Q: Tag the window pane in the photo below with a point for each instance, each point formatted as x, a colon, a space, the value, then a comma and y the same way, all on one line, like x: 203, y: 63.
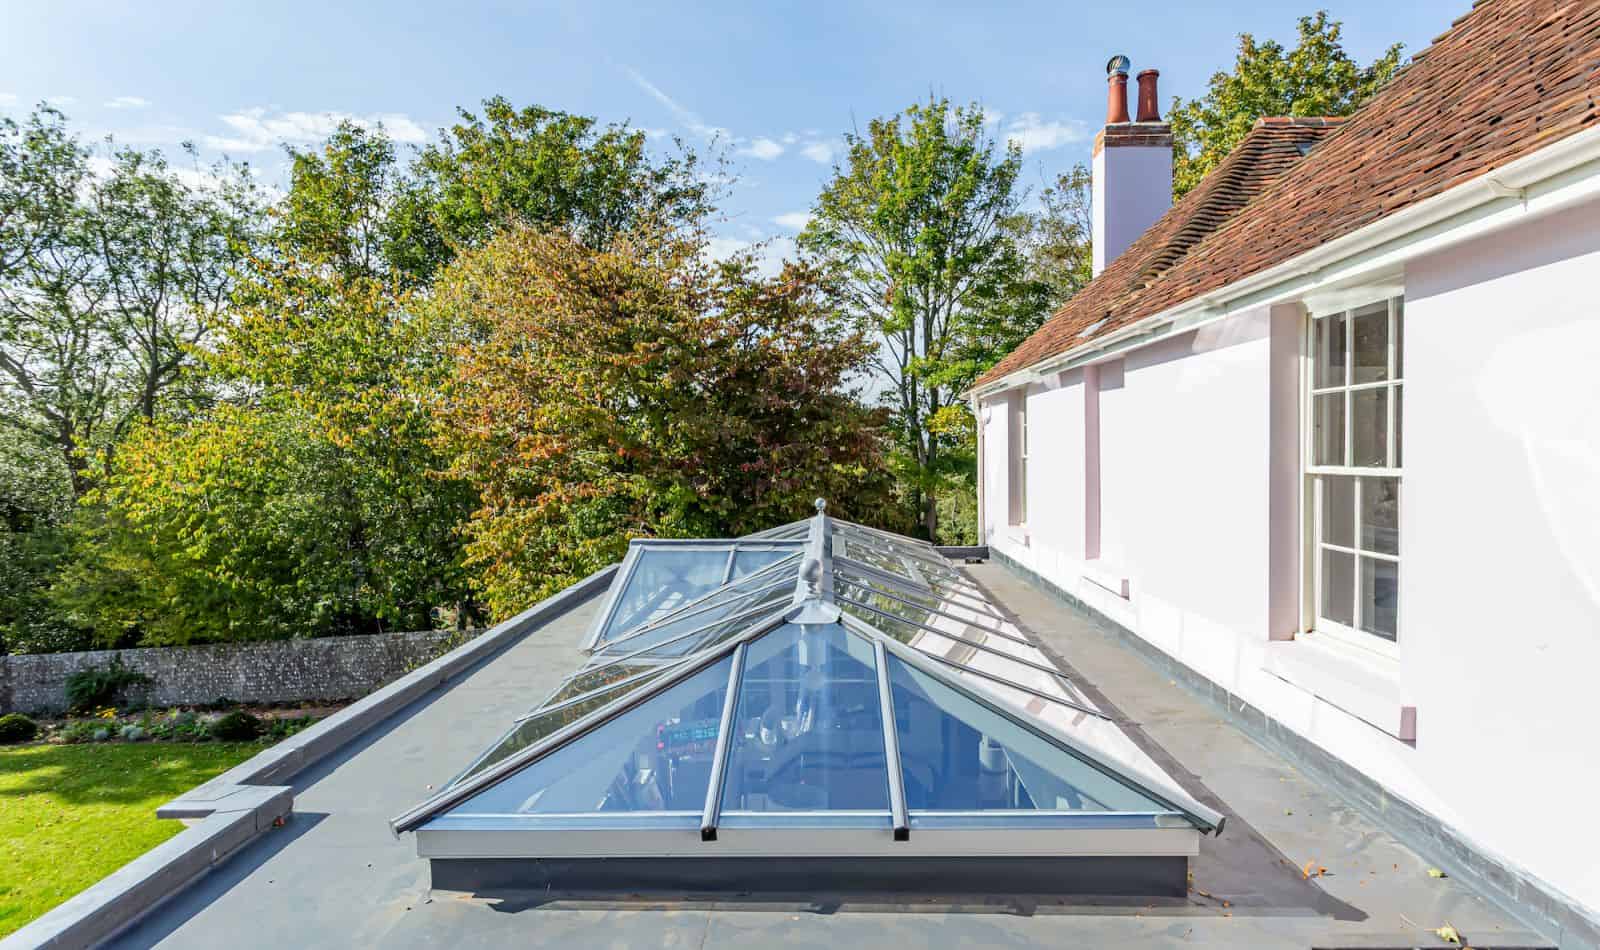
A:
x: 663, y: 580
x: 958, y: 755
x: 1370, y: 339
x: 1338, y: 586
x: 750, y: 561
x: 809, y: 725
x: 1380, y: 515
x: 1380, y: 596
x: 654, y: 757
x: 1399, y: 338
x: 1328, y: 425
x: 1328, y: 351
x: 1369, y: 427
x: 1339, y: 510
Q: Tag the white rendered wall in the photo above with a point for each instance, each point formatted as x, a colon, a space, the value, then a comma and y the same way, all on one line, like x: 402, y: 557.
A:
x: 1132, y: 188
x: 1500, y: 529
x: 1500, y: 535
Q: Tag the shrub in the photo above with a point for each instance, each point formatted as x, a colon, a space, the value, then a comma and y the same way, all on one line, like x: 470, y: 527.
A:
x: 81, y: 730
x: 237, y: 726
x: 15, y: 727
x: 100, y: 686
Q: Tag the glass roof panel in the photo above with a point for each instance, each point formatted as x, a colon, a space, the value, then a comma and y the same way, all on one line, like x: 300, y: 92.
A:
x: 535, y: 728
x: 958, y: 754
x: 601, y: 677
x: 808, y: 725
x: 664, y: 579
x: 749, y: 559
x: 673, y: 635
x: 653, y: 757
x: 662, y: 576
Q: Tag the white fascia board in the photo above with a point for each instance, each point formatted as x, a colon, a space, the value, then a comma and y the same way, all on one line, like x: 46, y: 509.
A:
x: 1555, y: 177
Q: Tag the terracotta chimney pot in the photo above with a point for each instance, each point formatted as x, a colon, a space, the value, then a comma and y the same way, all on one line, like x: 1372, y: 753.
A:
x: 1117, y: 90
x: 1149, y: 108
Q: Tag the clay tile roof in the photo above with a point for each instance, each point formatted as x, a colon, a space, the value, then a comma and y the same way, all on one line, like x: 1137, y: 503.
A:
x: 1506, y: 79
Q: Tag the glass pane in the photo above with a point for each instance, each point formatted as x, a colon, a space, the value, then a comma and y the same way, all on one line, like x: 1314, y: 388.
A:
x: 1399, y: 339
x: 748, y: 561
x: 1328, y: 429
x: 589, y: 681
x: 1399, y: 421
x: 749, y: 593
x: 1380, y: 596
x: 663, y: 580
x: 1370, y: 333
x: 1380, y: 515
x: 809, y: 726
x: 1338, y: 587
x: 1369, y: 434
x: 957, y: 754
x: 535, y: 728
x: 654, y: 757
x: 1338, y: 510
x: 1328, y: 351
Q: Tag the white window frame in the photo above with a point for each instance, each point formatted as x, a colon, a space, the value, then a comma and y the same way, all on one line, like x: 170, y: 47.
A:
x: 1017, y: 459
x: 1313, y: 543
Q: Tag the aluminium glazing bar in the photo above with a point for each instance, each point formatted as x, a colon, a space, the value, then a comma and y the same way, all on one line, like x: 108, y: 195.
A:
x: 719, y: 758
x: 891, y: 746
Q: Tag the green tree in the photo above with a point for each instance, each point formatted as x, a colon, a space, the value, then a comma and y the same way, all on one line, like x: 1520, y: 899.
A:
x: 35, y: 505
x: 918, y: 231
x: 704, y: 400
x: 108, y: 283
x: 540, y: 168
x: 1315, y: 78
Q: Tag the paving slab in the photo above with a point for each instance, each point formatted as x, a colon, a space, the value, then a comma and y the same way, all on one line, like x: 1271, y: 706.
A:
x: 334, y: 876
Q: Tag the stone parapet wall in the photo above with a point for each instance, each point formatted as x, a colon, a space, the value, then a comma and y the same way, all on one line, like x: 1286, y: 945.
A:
x: 277, y: 671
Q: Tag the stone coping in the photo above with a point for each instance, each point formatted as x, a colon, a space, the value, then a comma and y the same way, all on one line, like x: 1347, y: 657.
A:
x: 248, y: 800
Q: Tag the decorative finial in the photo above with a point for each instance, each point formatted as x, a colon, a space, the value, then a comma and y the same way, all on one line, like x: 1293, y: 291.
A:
x: 821, y: 505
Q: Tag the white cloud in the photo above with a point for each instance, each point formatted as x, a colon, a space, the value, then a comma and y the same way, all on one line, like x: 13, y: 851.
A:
x: 257, y: 130
x: 819, y: 152
x: 770, y: 254
x: 762, y: 148
x: 1032, y: 133
x: 127, y: 102
x: 8, y: 98
x: 793, y: 220
x: 61, y: 102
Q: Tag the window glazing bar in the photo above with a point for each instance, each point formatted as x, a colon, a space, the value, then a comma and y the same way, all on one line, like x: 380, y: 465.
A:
x: 891, y: 746
x: 719, y: 758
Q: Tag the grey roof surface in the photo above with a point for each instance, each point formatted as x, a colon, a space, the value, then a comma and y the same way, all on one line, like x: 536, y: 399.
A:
x: 334, y: 876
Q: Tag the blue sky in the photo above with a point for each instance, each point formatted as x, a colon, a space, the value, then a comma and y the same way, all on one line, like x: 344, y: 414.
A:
x: 778, y: 82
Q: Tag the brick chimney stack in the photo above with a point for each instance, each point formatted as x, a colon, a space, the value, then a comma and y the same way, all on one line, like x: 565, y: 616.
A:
x: 1132, y: 165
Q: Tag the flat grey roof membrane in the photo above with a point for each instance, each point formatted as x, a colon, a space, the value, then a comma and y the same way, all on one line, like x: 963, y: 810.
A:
x: 846, y: 695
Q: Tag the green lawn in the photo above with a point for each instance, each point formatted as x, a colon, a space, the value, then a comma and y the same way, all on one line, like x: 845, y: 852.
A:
x: 71, y: 814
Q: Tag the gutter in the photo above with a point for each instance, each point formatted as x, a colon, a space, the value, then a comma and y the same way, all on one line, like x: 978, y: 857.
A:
x: 1548, y: 180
